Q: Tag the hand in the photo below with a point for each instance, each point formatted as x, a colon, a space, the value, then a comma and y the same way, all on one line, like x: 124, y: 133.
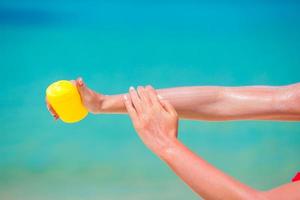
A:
x: 154, y: 119
x: 90, y: 99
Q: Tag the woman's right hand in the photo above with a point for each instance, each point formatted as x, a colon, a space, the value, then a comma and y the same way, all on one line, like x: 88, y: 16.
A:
x: 90, y: 99
x: 154, y: 119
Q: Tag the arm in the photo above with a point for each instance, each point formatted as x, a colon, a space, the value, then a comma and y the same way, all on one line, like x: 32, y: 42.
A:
x: 226, y: 103
x: 203, y: 178
x: 289, y: 191
x: 211, y: 103
x: 156, y: 123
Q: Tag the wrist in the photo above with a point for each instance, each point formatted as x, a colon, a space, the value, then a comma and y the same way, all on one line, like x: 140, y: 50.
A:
x: 94, y: 104
x: 111, y: 104
x: 102, y: 103
x: 169, y: 149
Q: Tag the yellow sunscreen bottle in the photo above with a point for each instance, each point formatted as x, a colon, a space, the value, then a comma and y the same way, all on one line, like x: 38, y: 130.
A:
x: 65, y: 100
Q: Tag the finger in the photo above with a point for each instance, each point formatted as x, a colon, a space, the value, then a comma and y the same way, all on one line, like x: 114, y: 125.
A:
x: 56, y: 117
x: 80, y: 82
x: 144, y: 95
x: 81, y: 86
x: 168, y: 106
x: 54, y: 114
x: 136, y: 101
x: 85, y: 93
x: 130, y: 109
x: 152, y: 95
x: 51, y: 110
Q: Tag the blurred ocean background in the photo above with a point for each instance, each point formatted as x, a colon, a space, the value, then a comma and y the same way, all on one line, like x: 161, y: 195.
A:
x: 116, y: 44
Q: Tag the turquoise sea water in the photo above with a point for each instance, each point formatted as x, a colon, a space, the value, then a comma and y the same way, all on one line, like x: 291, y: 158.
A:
x: 114, y: 45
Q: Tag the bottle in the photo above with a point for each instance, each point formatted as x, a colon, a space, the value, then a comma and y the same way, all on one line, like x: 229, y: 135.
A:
x: 64, y: 98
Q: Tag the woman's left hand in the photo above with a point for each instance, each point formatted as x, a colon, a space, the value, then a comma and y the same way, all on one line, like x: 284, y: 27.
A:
x: 90, y: 99
x: 154, y: 118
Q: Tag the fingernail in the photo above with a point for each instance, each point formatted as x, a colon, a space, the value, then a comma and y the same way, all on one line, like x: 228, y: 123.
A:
x: 131, y: 88
x: 160, y: 97
x: 80, y: 82
x: 125, y: 97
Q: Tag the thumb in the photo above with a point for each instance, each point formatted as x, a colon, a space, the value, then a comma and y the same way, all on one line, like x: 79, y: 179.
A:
x: 82, y: 88
x: 167, y: 106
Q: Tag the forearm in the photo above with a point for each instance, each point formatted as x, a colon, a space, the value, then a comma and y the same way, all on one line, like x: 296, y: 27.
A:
x: 225, y: 103
x: 186, y: 100
x: 203, y: 178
